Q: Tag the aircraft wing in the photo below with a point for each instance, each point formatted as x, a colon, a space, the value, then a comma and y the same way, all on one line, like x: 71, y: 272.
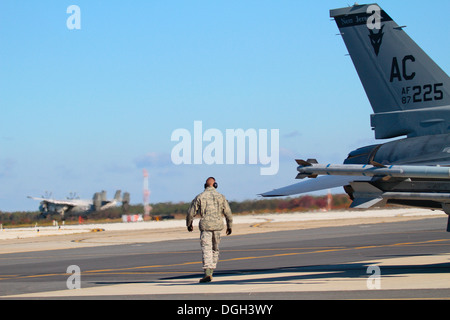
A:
x: 311, y: 185
x: 373, y: 184
x: 57, y: 202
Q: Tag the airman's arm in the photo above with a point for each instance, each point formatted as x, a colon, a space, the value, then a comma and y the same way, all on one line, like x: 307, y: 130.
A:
x: 192, y: 211
x: 228, y: 216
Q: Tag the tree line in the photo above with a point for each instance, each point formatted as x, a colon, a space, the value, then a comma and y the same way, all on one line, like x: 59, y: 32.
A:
x: 178, y: 210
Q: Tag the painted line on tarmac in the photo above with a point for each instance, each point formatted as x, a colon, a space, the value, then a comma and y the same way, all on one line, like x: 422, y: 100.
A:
x: 314, y: 251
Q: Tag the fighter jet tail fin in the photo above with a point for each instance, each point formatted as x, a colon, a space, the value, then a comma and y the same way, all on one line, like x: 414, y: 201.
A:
x: 117, y: 195
x: 408, y: 91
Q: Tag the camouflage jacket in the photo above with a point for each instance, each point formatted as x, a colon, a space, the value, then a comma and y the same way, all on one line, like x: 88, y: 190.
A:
x: 211, y: 206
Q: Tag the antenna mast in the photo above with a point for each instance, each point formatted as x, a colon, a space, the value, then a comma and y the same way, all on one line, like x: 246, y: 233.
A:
x: 146, y: 195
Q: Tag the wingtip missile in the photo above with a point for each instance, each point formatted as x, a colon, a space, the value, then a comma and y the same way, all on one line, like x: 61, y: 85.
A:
x: 307, y: 163
x: 376, y: 164
x: 374, y: 169
x: 303, y: 163
x: 301, y: 176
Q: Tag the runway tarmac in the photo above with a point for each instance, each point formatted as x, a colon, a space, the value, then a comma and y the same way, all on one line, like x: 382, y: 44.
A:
x: 281, y: 256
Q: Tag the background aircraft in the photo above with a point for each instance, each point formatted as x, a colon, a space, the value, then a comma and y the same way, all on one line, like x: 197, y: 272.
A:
x: 99, y: 202
x: 409, y: 94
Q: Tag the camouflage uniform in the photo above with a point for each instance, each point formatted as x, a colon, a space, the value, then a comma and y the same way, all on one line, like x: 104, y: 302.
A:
x: 210, y: 205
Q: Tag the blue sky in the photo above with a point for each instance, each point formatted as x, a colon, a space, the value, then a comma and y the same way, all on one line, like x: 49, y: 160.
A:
x: 86, y: 110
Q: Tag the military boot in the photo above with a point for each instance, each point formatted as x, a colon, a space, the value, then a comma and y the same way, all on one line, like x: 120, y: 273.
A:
x: 208, y: 276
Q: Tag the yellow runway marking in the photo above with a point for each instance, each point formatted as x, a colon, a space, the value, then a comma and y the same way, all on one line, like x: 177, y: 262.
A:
x: 309, y: 251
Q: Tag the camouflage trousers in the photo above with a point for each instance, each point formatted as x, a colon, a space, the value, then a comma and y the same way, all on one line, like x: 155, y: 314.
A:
x: 209, y: 241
